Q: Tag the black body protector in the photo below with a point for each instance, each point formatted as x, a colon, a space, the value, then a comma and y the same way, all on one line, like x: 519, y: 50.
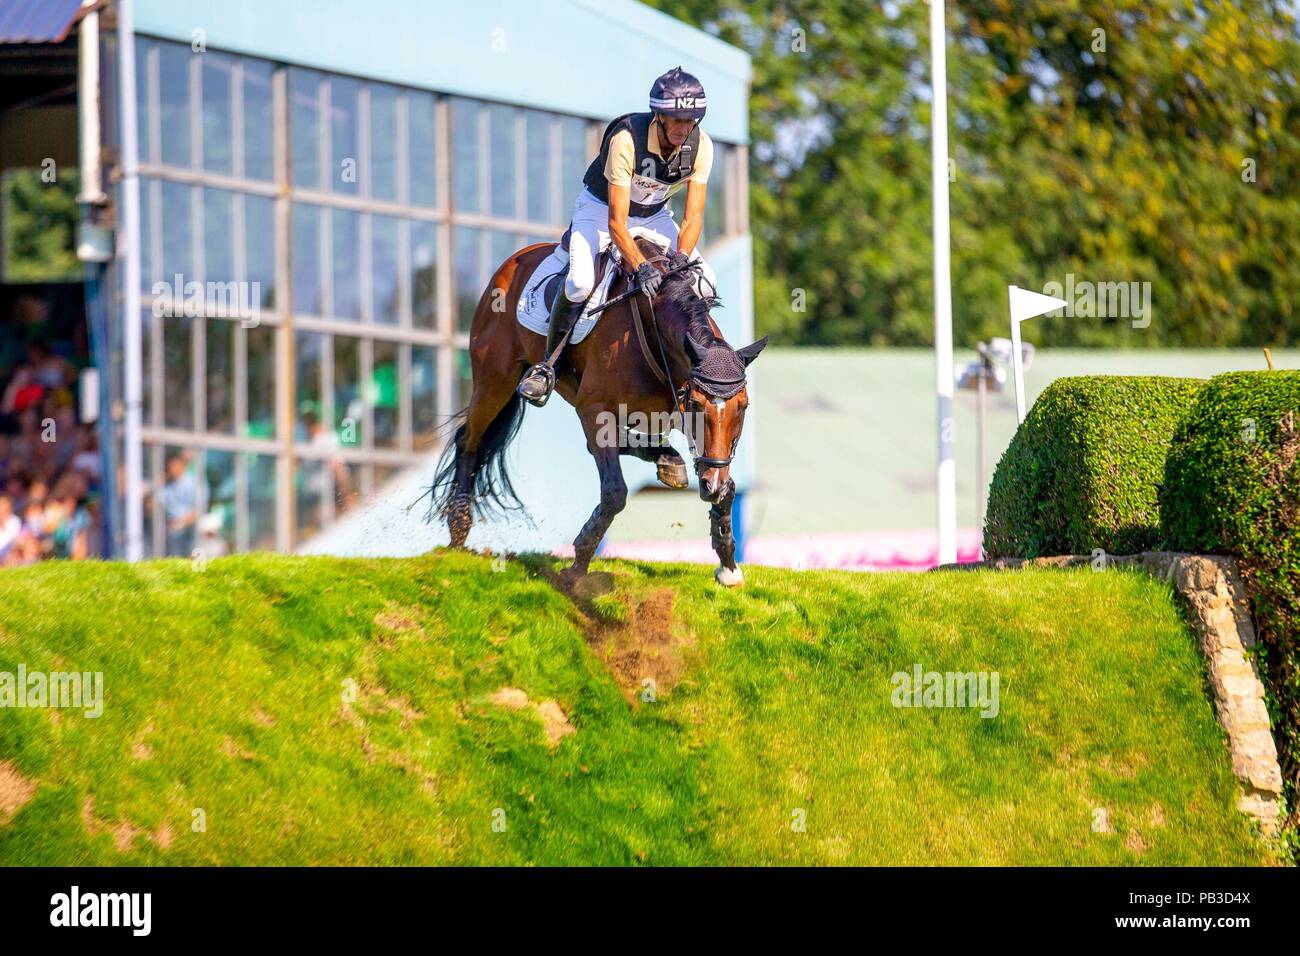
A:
x: 652, y: 175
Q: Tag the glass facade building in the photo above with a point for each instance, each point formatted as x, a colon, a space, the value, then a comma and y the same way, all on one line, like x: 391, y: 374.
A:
x: 339, y: 232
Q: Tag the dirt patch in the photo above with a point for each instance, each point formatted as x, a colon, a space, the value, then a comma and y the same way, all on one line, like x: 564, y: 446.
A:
x: 15, y: 791
x: 232, y: 749
x: 1135, y: 842
x: 554, y: 722
x: 123, y: 832
x: 641, y: 651
x: 262, y: 718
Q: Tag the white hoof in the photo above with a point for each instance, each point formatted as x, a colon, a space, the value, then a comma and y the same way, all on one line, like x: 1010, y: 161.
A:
x: 728, y: 577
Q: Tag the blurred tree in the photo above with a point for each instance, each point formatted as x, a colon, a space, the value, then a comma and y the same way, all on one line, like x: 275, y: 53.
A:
x: 1111, y: 140
x: 40, y: 227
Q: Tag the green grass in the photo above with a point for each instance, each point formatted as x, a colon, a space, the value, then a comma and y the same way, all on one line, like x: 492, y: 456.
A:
x: 224, y: 693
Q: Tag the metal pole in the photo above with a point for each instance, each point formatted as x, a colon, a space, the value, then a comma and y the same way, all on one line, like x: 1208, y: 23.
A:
x: 946, y: 472
x: 129, y: 256
x: 980, y: 471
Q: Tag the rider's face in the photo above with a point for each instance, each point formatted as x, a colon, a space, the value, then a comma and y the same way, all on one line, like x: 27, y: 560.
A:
x: 676, y: 129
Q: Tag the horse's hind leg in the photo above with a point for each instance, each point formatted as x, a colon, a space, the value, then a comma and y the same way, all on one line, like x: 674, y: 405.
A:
x: 487, y: 402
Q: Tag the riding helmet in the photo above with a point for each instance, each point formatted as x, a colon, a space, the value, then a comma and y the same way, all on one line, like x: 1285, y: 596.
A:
x: 678, y: 94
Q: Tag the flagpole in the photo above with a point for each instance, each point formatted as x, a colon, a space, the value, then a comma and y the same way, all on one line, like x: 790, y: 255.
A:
x: 946, y: 471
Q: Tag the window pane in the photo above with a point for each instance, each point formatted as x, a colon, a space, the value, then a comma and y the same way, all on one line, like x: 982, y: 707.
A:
x: 259, y: 256
x: 386, y: 299
x: 216, y: 528
x: 308, y: 280
x: 177, y: 248
x: 174, y: 102
x: 465, y: 155
x: 348, y: 407
x: 573, y: 163
x: 259, y: 121
x: 218, y: 129
x: 305, y: 128
x: 260, y: 341
x: 424, y: 275
x: 178, y: 372
x: 383, y: 142
x: 260, y: 477
x: 147, y: 471
x: 384, y: 393
x: 142, y: 48
x: 538, y: 166
x: 423, y: 158
x: 504, y: 245
x: 502, y: 156
x: 715, y: 210
x: 467, y: 265
x: 424, y: 397
x: 347, y: 264
x: 181, y: 497
x: 146, y: 364
x: 312, y: 483
x: 348, y: 482
x: 344, y: 142
x: 220, y: 357
x: 218, y: 236
x: 149, y: 269
x: 308, y: 397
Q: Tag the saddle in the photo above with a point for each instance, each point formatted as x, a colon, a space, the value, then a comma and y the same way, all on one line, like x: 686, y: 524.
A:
x: 552, y: 286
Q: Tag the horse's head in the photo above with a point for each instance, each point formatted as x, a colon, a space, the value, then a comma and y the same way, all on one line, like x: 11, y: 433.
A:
x: 714, y: 406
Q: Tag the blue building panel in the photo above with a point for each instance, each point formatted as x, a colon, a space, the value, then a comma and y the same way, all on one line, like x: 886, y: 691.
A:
x: 593, y: 58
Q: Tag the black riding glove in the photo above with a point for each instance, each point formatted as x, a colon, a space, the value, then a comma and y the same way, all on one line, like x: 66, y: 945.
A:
x: 677, y: 260
x: 649, y: 278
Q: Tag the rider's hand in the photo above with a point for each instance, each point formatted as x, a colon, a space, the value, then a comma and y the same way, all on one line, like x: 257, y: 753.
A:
x: 677, y: 260
x: 649, y: 278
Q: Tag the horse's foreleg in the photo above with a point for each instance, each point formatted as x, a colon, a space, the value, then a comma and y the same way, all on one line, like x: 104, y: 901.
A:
x: 670, y: 468
x: 613, y: 496
x: 724, y: 544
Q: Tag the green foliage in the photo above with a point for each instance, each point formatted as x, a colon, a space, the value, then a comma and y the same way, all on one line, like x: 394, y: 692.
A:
x: 324, y: 711
x: 1083, y: 470
x: 40, y: 227
x: 1232, y: 485
x: 1117, y: 140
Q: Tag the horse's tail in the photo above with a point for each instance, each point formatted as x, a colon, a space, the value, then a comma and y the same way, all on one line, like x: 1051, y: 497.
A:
x: 491, y: 490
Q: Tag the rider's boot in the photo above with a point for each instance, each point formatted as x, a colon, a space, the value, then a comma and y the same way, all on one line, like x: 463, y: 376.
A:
x: 539, y: 381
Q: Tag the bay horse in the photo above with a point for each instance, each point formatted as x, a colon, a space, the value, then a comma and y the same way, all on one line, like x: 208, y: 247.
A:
x: 607, y: 378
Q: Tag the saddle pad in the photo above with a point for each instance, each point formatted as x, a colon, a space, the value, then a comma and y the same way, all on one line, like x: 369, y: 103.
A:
x: 532, y: 311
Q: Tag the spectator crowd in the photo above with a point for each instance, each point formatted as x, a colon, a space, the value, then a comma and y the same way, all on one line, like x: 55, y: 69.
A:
x: 50, y: 466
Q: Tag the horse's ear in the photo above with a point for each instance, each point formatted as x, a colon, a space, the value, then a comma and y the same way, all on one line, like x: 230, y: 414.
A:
x: 750, y: 352
x: 694, y: 350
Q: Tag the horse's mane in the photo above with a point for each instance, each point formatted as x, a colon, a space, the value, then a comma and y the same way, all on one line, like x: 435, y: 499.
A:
x: 678, y: 290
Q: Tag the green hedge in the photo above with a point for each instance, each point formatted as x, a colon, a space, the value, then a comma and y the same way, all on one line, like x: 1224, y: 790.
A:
x: 1232, y: 485
x: 1082, y: 471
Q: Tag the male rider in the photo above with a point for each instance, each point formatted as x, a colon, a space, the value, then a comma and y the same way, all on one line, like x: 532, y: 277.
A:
x: 644, y: 159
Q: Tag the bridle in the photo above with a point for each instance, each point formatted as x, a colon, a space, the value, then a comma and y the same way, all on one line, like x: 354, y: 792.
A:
x: 694, y: 379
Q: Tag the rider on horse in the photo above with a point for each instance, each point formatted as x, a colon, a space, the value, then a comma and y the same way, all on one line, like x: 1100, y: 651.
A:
x: 644, y: 159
